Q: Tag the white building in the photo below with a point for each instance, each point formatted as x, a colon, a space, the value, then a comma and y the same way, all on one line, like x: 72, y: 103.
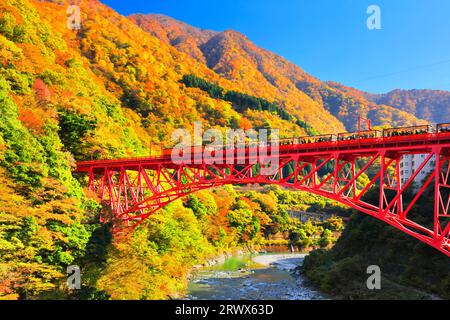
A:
x: 411, y: 163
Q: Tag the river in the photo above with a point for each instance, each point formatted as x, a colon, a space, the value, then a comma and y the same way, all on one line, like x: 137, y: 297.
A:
x: 260, y: 277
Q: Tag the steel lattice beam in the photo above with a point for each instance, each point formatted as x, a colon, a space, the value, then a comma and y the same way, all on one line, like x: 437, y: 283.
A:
x: 134, y: 189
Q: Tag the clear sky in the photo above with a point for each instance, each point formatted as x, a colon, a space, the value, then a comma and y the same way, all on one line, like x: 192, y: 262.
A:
x: 329, y: 38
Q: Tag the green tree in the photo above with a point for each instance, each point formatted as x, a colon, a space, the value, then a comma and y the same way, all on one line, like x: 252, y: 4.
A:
x: 73, y: 129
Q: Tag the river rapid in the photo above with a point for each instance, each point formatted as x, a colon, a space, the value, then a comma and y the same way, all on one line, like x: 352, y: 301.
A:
x: 257, y: 277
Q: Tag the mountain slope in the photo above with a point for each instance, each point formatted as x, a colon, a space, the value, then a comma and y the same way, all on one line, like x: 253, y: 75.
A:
x: 66, y: 95
x: 234, y: 57
x: 52, y: 108
x: 431, y: 105
x: 179, y: 34
x: 145, y: 73
x: 210, y: 48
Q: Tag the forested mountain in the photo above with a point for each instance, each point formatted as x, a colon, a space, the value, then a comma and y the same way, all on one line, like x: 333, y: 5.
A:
x: 431, y: 105
x: 233, y: 56
x: 110, y: 86
x: 182, y: 36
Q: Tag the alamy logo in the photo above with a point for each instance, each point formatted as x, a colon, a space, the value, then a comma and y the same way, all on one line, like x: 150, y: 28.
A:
x: 374, y: 281
x: 73, y: 277
x: 374, y: 20
x: 74, y: 17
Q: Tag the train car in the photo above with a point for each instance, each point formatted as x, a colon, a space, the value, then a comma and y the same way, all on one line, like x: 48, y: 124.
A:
x: 182, y: 150
x: 369, y: 134
x: 316, y: 139
x: 407, y: 131
x: 287, y: 142
x: 443, y: 128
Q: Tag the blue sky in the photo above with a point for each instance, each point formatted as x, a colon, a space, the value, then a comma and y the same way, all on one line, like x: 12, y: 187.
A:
x: 330, y: 39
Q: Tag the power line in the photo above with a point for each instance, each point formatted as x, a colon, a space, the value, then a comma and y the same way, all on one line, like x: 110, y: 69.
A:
x: 400, y: 72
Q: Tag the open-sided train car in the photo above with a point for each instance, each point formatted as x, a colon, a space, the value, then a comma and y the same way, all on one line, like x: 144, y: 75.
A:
x: 443, y: 128
x: 369, y: 134
x: 316, y: 139
x: 408, y: 131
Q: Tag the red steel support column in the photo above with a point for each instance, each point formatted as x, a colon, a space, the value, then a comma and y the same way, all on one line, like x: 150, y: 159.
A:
x: 382, y: 173
x: 399, y: 186
x: 437, y: 153
x: 353, y: 177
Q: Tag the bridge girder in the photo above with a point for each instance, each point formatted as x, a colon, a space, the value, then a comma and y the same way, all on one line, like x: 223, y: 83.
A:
x: 136, y: 189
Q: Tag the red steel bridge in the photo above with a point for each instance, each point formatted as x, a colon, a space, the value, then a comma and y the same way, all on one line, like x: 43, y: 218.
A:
x: 134, y: 189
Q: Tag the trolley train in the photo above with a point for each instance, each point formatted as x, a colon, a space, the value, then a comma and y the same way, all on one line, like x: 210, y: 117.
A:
x: 408, y: 131
x: 443, y: 128
x: 370, y: 134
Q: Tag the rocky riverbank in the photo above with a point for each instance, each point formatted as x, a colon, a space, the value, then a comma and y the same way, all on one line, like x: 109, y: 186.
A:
x: 260, y: 277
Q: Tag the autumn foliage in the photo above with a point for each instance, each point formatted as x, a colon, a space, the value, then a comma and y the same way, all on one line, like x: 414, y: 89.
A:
x: 111, y: 89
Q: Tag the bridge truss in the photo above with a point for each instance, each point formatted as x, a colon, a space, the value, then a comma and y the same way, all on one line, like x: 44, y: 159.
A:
x: 134, y: 189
